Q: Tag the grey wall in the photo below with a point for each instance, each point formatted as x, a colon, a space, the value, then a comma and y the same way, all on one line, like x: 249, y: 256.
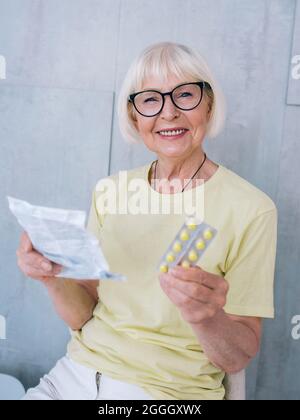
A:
x: 65, y: 61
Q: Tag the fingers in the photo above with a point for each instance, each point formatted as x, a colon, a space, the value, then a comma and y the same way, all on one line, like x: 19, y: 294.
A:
x: 196, y: 291
x: 38, y: 262
x: 179, y: 298
x: 37, y: 274
x: 196, y: 274
x: 192, y: 311
x: 198, y: 294
x: 25, y: 243
x: 32, y: 263
x: 193, y: 290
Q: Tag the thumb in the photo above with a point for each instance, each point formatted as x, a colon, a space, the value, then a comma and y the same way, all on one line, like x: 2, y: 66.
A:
x: 25, y: 243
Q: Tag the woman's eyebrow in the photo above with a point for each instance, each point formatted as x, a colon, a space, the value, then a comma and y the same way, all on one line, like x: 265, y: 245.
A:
x: 151, y: 88
x: 169, y: 90
x: 160, y: 90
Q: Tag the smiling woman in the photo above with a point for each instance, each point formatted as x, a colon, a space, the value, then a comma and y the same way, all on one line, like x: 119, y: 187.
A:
x: 160, y: 62
x: 169, y: 335
x: 170, y: 101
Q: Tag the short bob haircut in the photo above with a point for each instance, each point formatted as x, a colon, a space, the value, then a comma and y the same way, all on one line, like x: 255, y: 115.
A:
x: 161, y: 60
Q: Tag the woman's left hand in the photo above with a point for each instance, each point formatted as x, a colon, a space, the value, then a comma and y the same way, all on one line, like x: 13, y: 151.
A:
x: 198, y: 294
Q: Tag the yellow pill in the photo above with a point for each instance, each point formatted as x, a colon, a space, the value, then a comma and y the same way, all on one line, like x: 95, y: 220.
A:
x: 185, y: 264
x: 184, y: 236
x: 193, y: 256
x: 177, y: 246
x: 207, y: 234
x: 200, y: 244
x: 170, y: 257
x: 163, y: 268
x: 191, y: 225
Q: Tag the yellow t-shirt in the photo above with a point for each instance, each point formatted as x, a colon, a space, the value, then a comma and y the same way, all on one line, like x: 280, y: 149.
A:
x: 137, y: 334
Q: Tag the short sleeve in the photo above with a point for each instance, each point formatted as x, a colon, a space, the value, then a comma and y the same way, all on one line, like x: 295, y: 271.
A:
x: 250, y: 273
x: 94, y: 223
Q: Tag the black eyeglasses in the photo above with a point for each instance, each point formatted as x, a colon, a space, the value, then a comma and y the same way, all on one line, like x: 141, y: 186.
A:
x: 186, y: 97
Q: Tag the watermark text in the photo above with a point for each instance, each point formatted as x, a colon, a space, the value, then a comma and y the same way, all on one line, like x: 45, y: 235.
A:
x: 134, y: 196
x: 2, y: 67
x: 2, y: 327
x: 296, y: 329
x: 296, y: 67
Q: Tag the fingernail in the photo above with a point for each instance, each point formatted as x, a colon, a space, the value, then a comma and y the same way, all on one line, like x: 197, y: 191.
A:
x: 46, y: 266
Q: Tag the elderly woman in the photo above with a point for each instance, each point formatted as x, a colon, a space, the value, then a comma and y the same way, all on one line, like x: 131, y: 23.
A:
x: 174, y: 334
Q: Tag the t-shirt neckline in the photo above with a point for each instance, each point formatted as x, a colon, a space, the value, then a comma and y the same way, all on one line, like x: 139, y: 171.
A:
x: 207, y: 184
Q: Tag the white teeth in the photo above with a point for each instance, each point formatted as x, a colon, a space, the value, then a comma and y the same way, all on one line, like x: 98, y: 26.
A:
x: 171, y: 133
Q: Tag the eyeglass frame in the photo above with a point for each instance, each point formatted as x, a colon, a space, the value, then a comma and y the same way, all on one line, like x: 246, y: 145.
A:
x: 202, y: 84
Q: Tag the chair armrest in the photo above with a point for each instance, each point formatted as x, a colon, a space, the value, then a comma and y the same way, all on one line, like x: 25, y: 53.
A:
x: 235, y: 386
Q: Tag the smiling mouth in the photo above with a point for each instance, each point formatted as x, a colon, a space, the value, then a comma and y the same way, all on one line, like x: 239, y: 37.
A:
x: 172, y: 133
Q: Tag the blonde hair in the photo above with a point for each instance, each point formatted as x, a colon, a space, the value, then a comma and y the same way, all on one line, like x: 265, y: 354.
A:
x: 161, y: 60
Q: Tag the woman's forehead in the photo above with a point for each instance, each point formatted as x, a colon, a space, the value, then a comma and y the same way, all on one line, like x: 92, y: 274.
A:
x: 162, y: 83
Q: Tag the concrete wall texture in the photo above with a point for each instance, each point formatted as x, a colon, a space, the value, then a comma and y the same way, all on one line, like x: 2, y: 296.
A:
x: 61, y: 66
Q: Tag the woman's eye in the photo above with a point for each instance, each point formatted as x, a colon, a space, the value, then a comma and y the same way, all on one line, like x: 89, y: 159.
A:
x: 150, y: 100
x: 185, y: 94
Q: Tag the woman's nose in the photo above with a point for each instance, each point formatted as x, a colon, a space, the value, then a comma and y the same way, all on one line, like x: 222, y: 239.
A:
x: 169, y: 110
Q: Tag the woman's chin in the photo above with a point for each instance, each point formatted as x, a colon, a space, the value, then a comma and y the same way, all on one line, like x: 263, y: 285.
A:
x: 173, y: 150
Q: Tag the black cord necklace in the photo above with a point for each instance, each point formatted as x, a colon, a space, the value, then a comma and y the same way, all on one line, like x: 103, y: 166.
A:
x: 190, y: 178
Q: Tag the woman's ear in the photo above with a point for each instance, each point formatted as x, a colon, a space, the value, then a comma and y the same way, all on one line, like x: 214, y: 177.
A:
x: 134, y: 119
x: 209, y: 109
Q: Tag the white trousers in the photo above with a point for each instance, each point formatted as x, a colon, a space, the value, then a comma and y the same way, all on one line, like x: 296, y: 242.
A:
x: 69, y: 380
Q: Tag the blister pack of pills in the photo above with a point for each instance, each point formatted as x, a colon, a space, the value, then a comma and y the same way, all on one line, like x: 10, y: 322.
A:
x: 188, y: 246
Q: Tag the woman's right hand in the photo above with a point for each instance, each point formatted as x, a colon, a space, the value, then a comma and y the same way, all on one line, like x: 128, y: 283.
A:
x: 74, y: 300
x: 33, y: 264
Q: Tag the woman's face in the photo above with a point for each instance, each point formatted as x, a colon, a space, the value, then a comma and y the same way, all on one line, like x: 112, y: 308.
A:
x: 170, y: 118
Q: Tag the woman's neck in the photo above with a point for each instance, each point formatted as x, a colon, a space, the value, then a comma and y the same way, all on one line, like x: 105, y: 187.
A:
x: 166, y: 169
x: 182, y: 169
